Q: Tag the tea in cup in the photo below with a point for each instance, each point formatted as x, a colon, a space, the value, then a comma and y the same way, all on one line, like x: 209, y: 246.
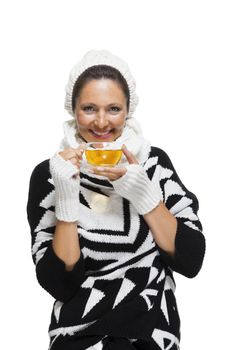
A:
x: 103, y: 153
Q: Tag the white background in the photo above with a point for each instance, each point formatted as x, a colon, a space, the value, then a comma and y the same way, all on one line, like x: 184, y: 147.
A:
x: 180, y: 53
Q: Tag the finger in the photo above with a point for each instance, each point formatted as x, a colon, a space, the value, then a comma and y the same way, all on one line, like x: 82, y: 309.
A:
x: 74, y: 157
x: 80, y: 150
x: 110, y: 170
x: 65, y: 153
x: 82, y: 146
x: 74, y: 162
x: 68, y: 154
x: 106, y: 174
x: 129, y: 156
x: 79, y: 154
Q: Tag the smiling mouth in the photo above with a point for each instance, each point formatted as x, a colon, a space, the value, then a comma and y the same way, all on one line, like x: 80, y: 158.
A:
x: 101, y: 133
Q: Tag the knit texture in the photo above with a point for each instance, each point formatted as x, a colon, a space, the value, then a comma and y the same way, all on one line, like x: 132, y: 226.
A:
x: 99, y: 57
x: 67, y: 182
x: 138, y: 189
x: 121, y: 292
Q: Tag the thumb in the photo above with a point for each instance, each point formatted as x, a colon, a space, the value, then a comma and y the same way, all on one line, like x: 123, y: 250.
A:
x: 129, y: 156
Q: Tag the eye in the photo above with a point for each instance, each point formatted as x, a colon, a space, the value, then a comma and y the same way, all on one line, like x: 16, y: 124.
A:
x: 115, y: 109
x: 88, y: 108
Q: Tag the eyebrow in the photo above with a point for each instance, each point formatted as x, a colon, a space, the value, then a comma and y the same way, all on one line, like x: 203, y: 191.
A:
x: 93, y: 104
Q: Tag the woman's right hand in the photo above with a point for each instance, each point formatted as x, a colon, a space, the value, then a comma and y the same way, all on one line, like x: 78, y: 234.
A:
x: 74, y: 155
x: 64, y: 168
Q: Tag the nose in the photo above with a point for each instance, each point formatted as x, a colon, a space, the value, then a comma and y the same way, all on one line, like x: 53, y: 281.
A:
x: 101, y: 119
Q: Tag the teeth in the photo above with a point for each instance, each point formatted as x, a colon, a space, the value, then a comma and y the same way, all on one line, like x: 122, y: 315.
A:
x: 101, y: 134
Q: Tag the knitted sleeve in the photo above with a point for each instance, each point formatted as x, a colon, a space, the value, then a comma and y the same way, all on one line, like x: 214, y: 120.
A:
x: 184, y: 205
x: 50, y: 269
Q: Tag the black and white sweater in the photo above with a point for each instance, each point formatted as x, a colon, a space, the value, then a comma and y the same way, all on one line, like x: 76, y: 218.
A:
x: 121, y: 290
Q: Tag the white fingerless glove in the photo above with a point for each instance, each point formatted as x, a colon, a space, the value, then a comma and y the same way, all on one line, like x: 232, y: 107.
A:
x: 138, y: 189
x: 66, y: 188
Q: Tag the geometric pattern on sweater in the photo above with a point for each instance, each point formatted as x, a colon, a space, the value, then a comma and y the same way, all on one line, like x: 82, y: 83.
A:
x: 123, y: 282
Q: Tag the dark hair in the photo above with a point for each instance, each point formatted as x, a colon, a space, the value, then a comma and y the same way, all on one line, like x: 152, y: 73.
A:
x: 99, y: 72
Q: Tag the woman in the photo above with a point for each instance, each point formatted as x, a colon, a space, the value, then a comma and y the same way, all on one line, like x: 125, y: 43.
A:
x: 105, y: 242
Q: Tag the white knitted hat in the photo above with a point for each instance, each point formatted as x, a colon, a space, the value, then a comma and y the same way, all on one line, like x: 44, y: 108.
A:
x: 98, y: 57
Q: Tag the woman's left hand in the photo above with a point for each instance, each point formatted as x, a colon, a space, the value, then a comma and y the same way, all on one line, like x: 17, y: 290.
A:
x: 115, y: 173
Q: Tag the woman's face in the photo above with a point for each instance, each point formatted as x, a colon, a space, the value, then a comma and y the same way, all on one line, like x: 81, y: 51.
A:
x: 101, y: 108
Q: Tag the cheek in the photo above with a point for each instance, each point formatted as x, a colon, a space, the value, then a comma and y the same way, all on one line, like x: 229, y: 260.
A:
x: 118, y: 119
x: 120, y: 122
x: 119, y: 127
x: 82, y: 120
